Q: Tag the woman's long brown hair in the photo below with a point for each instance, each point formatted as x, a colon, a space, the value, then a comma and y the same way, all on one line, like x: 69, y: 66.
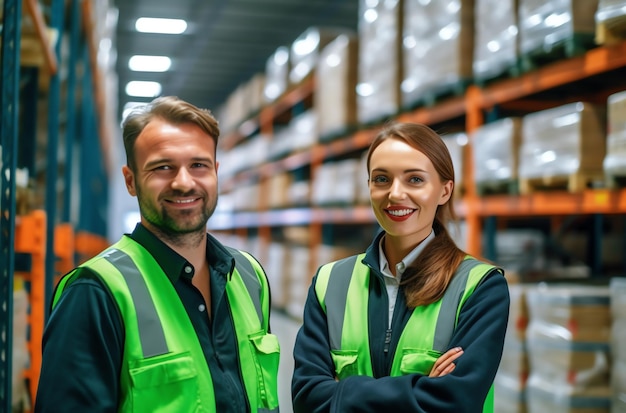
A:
x: 425, y: 281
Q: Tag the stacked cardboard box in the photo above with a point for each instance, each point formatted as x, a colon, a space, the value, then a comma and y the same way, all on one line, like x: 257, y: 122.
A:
x: 565, y: 141
x: 510, y: 382
x: 380, y: 57
x: 618, y: 345
x: 615, y: 159
x: 305, y: 51
x: 495, y: 38
x: 335, y: 87
x: 568, y: 349
x: 496, y: 152
x: 546, y: 25
x: 438, y: 44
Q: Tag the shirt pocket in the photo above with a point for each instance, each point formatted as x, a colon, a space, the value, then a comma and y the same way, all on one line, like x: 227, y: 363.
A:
x: 266, y: 353
x: 346, y: 363
x: 165, y: 383
x: 418, y: 360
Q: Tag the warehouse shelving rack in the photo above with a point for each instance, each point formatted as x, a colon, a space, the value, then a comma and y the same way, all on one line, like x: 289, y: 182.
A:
x: 532, y: 91
x: 40, y: 244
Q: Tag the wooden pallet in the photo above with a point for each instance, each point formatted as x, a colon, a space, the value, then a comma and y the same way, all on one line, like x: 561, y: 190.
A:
x: 511, y: 71
x: 612, y: 31
x: 572, y: 46
x: 573, y: 183
x: 615, y: 180
x: 508, y: 187
x: 435, y: 95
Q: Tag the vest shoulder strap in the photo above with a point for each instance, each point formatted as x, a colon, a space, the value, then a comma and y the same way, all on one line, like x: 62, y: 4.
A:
x: 254, y: 279
x: 453, y: 299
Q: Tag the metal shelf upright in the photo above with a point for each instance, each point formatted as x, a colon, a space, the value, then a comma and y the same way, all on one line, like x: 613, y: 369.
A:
x: 9, y: 85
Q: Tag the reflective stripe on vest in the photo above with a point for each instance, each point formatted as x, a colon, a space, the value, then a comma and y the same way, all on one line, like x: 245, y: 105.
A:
x: 342, y: 288
x: 148, y: 335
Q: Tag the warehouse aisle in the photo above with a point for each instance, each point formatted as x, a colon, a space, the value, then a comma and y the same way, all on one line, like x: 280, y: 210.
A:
x: 286, y: 329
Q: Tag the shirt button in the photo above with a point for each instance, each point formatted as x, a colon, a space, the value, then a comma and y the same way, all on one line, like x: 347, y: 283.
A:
x: 201, y: 308
x: 188, y: 269
x: 400, y: 267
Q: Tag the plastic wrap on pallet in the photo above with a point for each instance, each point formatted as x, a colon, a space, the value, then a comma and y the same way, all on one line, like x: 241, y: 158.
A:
x: 615, y: 159
x: 437, y: 46
x: 610, y: 9
x: 618, y: 387
x: 495, y: 37
x: 496, y: 145
x: 305, y: 50
x: 545, y: 24
x: 277, y: 69
x: 544, y: 396
x: 379, y: 68
x: 456, y: 143
x: 568, y: 347
x: 335, y: 87
x: 562, y: 141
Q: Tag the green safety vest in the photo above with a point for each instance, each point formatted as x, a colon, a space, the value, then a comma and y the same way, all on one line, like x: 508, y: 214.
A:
x: 164, y: 368
x: 342, y: 289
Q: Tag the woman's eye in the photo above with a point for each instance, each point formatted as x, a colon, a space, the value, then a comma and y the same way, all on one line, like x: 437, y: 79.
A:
x: 415, y: 180
x: 379, y: 179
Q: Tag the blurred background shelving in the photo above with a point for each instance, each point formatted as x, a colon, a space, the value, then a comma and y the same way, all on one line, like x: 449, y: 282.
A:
x: 529, y: 96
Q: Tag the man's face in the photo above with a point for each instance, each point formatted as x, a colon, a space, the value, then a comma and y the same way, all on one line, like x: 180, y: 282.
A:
x: 175, y: 179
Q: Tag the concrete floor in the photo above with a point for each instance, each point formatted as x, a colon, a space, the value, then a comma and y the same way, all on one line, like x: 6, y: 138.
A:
x: 286, y: 329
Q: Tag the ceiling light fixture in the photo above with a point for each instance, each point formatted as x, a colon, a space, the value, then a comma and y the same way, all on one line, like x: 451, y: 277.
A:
x: 142, y: 63
x: 143, y: 89
x: 164, y: 26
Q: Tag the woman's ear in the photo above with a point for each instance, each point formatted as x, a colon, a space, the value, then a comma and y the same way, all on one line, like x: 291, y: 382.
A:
x: 446, y: 192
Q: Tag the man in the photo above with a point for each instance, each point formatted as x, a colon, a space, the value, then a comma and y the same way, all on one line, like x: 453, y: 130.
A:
x: 168, y: 319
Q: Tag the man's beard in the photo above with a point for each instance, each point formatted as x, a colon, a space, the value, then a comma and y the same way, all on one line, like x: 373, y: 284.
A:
x: 176, y: 228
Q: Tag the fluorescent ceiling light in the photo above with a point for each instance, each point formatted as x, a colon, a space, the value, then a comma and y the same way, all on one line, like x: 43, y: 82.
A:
x: 140, y: 63
x: 165, y: 26
x: 143, y: 89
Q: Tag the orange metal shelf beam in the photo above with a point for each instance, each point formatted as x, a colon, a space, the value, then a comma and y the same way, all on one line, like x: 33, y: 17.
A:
x: 592, y: 201
x: 594, y: 62
x: 34, y: 10
x: 448, y: 109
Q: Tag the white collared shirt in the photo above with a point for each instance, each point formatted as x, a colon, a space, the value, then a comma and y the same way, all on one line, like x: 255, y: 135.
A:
x: 392, y: 283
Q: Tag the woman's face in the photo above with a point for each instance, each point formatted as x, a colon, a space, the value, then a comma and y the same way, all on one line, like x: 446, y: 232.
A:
x: 405, y: 190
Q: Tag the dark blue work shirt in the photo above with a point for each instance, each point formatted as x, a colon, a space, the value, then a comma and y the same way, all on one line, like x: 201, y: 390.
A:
x: 83, y: 343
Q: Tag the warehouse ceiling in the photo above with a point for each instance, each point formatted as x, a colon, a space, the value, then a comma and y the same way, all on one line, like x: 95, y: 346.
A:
x: 226, y: 42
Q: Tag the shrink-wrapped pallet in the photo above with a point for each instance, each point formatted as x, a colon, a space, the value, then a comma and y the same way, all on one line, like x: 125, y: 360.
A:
x: 618, y: 344
x: 546, y: 25
x: 510, y: 382
x: 566, y: 143
x: 611, y: 22
x: 615, y: 160
x: 335, y: 87
x: 380, y: 60
x: 495, y: 38
x: 568, y: 346
x: 496, y: 152
x: 276, y: 74
x: 438, y: 45
x: 456, y: 142
x: 276, y: 268
x: 306, y: 48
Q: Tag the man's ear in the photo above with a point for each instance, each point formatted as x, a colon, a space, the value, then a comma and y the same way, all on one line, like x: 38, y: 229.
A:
x: 129, y: 180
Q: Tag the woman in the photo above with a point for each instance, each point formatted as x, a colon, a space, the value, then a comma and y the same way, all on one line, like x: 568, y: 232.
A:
x: 376, y: 324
